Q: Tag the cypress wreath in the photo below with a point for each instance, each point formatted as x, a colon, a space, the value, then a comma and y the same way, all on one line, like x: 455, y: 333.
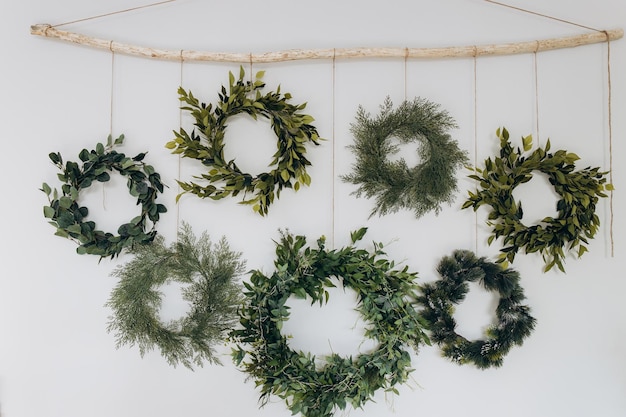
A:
x: 292, y: 128
x: 384, y: 302
x: 69, y: 217
x: 579, y: 193
x: 395, y: 186
x: 213, y: 295
x: 438, y: 300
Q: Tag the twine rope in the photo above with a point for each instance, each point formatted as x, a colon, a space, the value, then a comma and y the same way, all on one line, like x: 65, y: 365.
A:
x: 332, y: 234
x: 475, y: 73
x: 536, y: 74
x: 112, y: 13
x: 180, y: 126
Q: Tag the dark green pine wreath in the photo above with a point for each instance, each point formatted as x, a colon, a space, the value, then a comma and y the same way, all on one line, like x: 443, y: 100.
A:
x: 439, y: 298
x: 422, y: 188
x: 209, y: 271
x: 206, y: 144
x: 579, y: 192
x: 384, y: 296
x: 69, y: 217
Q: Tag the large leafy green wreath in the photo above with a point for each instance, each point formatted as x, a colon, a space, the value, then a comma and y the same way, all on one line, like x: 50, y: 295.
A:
x: 292, y: 128
x: 579, y: 193
x: 422, y: 188
x: 210, y: 272
x: 384, y: 297
x: 69, y: 217
x: 438, y: 299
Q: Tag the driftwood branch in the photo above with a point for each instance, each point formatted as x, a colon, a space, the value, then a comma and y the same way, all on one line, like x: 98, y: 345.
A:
x: 333, y: 53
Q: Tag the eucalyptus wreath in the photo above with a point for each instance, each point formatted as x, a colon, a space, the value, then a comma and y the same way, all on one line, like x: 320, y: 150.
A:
x: 396, y: 186
x: 579, y: 192
x: 438, y: 299
x: 384, y: 301
x: 69, y: 218
x: 209, y: 272
x: 206, y: 144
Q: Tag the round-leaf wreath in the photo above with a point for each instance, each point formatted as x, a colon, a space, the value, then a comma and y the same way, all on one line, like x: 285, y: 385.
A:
x: 69, y: 217
x: 579, y: 192
x: 292, y: 128
x: 384, y: 296
x: 209, y: 271
x: 422, y: 188
x: 438, y: 299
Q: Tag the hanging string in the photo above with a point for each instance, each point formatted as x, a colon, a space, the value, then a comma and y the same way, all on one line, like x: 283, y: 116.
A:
x: 251, y: 77
x: 609, y: 106
x: 542, y: 15
x: 180, y: 126
x: 475, y: 61
x: 332, y: 235
x: 112, y: 13
x: 610, y: 122
x: 536, y: 72
x: 111, y: 100
x: 112, y: 88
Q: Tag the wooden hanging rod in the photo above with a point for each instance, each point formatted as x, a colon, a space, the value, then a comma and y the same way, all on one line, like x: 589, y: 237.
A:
x: 49, y: 31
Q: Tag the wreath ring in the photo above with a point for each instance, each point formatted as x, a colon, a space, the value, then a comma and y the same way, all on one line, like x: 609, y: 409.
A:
x: 68, y: 216
x: 438, y: 299
x: 579, y: 192
x: 292, y: 128
x: 422, y: 188
x: 384, y: 302
x: 208, y: 269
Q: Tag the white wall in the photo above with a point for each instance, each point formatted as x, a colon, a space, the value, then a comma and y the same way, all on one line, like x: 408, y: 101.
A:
x: 56, y: 358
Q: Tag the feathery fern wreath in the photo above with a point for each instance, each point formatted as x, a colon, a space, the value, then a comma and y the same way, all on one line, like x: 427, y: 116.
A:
x: 69, y: 217
x: 384, y: 302
x: 438, y: 299
x: 292, y: 128
x: 395, y: 186
x: 579, y: 193
x: 213, y: 295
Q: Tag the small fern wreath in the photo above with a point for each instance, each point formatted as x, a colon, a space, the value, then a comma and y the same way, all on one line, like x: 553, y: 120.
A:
x: 579, y: 192
x: 422, y: 188
x: 69, y: 217
x: 292, y: 128
x: 438, y: 299
x: 209, y: 271
x: 384, y: 297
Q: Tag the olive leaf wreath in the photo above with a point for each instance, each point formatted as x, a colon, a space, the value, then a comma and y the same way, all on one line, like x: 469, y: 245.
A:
x: 206, y: 143
x: 384, y: 295
x: 69, y: 217
x: 579, y: 192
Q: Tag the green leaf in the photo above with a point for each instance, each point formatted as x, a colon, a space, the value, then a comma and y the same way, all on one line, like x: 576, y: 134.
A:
x: 358, y: 235
x: 527, y: 142
x: 46, y: 188
x: 48, y: 212
x: 65, y: 202
x: 100, y: 149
